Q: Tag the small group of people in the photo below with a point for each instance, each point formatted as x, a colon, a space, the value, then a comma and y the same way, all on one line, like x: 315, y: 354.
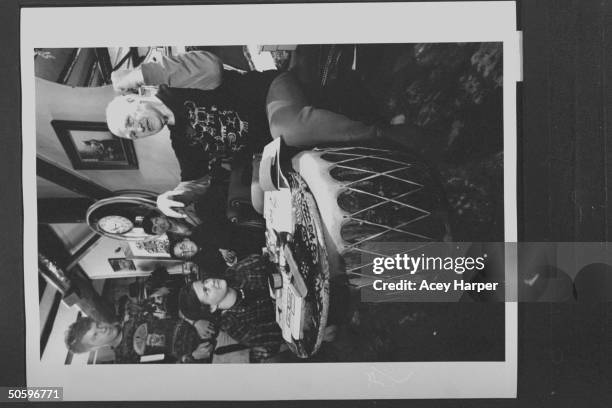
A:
x: 207, y: 237
x: 234, y: 301
x: 215, y: 116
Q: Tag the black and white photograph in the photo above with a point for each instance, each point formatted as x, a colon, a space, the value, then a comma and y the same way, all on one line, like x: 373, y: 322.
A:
x: 252, y: 185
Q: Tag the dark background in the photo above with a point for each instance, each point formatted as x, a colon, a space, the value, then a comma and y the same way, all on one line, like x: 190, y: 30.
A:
x: 565, y: 350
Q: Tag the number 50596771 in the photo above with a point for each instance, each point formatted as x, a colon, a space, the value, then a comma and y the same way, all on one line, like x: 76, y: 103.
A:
x: 34, y: 393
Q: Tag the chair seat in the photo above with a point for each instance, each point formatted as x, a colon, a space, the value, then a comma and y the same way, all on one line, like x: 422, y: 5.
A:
x: 245, y: 198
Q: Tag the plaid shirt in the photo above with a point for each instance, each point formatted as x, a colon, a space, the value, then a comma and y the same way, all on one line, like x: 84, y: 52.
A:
x: 252, y: 320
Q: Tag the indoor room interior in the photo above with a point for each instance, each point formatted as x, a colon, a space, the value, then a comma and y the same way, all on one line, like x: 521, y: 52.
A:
x: 73, y: 85
x: 80, y: 165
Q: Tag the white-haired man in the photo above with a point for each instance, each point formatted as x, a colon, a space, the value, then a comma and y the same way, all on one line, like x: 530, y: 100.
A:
x: 231, y: 115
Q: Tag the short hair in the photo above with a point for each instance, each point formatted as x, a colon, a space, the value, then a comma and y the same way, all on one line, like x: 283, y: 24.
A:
x: 116, y: 110
x: 74, y: 335
x: 191, y: 307
x: 147, y: 221
x: 210, y: 263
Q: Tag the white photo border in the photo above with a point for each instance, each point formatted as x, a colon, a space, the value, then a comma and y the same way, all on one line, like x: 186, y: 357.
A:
x: 291, y: 24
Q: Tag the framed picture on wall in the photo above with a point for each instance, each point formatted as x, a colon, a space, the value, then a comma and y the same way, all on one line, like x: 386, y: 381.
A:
x: 121, y: 264
x: 91, y: 146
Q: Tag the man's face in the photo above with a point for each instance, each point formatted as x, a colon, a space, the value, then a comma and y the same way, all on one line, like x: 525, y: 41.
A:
x: 185, y: 249
x: 99, y: 335
x: 141, y: 119
x: 211, y: 291
x: 160, y: 225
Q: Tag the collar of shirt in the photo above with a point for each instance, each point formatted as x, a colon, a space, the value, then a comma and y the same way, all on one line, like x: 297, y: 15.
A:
x: 172, y: 104
x: 168, y: 114
x: 240, y: 303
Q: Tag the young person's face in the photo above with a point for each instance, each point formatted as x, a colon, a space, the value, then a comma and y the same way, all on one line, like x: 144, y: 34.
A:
x: 160, y: 225
x: 210, y: 291
x: 100, y: 335
x: 185, y: 249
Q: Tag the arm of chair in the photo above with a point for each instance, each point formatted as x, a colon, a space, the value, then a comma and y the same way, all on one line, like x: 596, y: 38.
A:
x: 244, y: 198
x: 238, y: 192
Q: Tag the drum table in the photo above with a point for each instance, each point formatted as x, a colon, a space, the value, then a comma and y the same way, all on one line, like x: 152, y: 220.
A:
x: 339, y: 204
x: 301, y: 287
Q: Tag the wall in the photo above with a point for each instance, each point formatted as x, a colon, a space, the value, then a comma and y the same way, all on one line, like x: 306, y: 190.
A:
x: 47, y: 189
x: 158, y: 169
x: 96, y: 264
x: 72, y: 235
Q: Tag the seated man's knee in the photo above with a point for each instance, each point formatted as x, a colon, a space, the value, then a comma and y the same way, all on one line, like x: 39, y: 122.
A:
x: 292, y: 125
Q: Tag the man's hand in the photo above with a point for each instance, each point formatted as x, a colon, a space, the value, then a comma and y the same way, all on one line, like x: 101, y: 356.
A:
x: 230, y: 257
x: 205, y: 329
x: 165, y: 203
x: 126, y: 80
x: 203, y: 351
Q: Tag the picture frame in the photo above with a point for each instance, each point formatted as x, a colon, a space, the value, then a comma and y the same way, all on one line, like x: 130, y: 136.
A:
x: 122, y: 264
x: 91, y: 146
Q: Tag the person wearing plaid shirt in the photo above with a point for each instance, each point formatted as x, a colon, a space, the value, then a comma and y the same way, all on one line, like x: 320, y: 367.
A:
x: 243, y: 305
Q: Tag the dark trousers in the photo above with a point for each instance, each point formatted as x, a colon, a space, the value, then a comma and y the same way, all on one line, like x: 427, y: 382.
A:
x: 292, y: 116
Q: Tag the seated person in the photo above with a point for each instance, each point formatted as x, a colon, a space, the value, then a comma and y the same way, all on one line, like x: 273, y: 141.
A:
x: 240, y: 299
x: 230, y: 120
